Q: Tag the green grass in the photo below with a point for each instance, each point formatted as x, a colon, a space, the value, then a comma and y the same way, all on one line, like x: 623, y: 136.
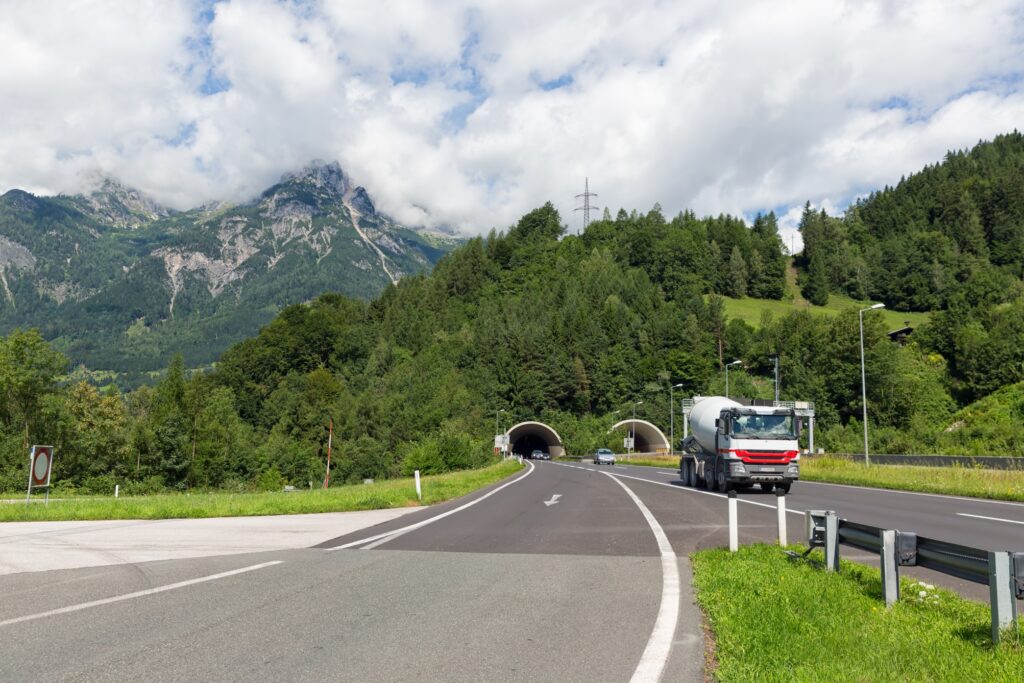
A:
x: 394, y: 493
x: 775, y: 619
x: 669, y: 461
x: 750, y: 310
x: 957, y: 481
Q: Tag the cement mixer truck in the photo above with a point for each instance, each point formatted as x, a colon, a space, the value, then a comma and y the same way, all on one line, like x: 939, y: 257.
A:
x: 732, y: 446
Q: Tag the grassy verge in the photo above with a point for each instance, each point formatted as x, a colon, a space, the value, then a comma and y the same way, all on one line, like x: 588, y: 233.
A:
x: 774, y: 619
x: 667, y: 461
x: 387, y: 494
x: 957, y: 481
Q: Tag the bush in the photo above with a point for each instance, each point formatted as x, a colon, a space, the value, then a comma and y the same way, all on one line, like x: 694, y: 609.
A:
x: 270, y: 480
x: 146, y: 487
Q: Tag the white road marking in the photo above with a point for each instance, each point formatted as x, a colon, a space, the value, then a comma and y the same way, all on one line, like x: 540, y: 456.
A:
x: 993, y: 519
x: 915, y: 493
x: 709, y: 493
x: 659, y: 645
x: 664, y: 472
x: 379, y: 539
x: 553, y: 501
x: 137, y: 594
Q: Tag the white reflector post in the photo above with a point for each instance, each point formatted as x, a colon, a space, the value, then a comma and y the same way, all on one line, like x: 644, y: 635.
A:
x: 734, y: 531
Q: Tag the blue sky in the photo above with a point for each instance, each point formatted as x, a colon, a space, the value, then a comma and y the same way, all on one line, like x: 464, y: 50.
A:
x: 469, y: 114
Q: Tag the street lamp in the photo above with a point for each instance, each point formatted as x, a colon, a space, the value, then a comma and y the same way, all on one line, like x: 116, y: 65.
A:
x: 863, y: 381
x: 735, y: 362
x: 775, y: 357
x: 672, y: 418
x: 632, y: 430
x: 496, y: 427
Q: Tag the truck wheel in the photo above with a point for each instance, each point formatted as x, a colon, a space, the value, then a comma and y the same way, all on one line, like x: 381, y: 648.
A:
x: 684, y: 473
x: 767, y: 488
x: 785, y: 487
x: 723, y: 484
x: 711, y: 480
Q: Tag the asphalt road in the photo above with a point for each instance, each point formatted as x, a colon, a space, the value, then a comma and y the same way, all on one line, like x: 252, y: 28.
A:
x: 564, y: 573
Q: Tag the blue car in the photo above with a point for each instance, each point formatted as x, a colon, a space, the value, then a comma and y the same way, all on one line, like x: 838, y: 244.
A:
x: 604, y: 456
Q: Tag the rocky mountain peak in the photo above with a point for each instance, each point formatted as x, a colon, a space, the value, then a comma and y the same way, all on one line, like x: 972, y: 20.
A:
x: 120, y: 205
x: 327, y: 178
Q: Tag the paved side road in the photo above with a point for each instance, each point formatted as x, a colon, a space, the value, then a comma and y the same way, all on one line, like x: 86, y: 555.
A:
x: 41, y: 546
x: 556, y: 576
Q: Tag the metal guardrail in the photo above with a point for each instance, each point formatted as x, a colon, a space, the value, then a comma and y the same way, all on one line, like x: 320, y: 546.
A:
x: 1002, y: 572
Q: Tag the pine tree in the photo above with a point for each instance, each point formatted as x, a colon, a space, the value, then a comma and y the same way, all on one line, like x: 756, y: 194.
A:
x: 815, y: 287
x: 736, y: 274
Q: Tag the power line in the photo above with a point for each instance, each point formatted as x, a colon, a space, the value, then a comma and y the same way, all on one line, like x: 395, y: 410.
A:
x: 586, y: 208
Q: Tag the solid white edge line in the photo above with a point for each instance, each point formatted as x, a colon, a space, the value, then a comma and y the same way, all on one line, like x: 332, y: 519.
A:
x: 994, y: 519
x: 374, y: 541
x: 137, y: 594
x: 915, y: 493
x: 791, y: 511
x: 659, y: 644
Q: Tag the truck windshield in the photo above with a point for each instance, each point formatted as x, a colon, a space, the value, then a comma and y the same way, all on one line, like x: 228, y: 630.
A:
x: 763, y: 426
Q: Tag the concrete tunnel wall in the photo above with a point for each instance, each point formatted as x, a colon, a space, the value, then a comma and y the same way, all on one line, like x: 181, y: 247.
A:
x: 647, y: 437
x: 526, y: 437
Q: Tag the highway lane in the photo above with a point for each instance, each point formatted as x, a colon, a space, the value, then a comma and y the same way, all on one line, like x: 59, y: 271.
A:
x: 987, y: 524
x: 509, y: 588
x: 553, y: 575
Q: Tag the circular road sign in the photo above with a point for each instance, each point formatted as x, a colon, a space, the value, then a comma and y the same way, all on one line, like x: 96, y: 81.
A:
x: 41, y: 465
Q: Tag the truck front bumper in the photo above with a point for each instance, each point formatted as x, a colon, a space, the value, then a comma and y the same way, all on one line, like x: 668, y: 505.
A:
x: 746, y: 473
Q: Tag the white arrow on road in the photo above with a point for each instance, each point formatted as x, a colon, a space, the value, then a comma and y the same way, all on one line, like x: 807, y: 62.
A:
x: 554, y: 500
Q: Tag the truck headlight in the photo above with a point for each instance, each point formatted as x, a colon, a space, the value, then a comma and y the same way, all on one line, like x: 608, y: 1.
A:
x: 738, y: 468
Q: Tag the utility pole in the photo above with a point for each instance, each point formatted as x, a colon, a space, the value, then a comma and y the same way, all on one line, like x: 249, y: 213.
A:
x: 586, y: 208
x: 775, y: 357
x: 330, y: 437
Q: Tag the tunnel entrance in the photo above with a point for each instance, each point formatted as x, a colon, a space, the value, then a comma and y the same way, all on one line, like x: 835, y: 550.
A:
x: 647, y: 438
x: 527, y: 437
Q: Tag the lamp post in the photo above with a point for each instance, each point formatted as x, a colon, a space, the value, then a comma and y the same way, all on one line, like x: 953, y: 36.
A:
x: 863, y: 381
x: 775, y: 357
x: 632, y: 430
x: 735, y: 362
x: 672, y: 418
x: 496, y: 427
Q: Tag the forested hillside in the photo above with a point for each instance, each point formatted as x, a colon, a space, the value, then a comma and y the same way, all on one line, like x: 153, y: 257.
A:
x: 568, y: 329
x: 949, y: 235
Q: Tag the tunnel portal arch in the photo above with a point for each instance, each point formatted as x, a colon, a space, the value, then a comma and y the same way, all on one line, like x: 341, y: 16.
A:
x: 526, y: 437
x: 647, y: 437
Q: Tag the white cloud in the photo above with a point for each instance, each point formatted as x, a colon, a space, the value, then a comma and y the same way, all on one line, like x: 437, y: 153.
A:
x: 438, y: 107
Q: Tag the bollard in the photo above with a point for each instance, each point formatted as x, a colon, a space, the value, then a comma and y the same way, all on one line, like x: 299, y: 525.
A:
x: 780, y: 500
x: 734, y: 532
x: 890, y: 567
x: 1001, y: 593
x: 117, y: 488
x: 831, y: 541
x: 419, y: 491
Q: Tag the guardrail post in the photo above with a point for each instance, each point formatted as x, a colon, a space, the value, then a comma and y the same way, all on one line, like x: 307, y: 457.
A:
x: 780, y: 500
x: 1001, y: 592
x: 831, y: 541
x: 734, y: 532
x: 890, y: 567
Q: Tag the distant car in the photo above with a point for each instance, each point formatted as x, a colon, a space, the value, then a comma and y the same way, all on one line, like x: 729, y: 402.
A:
x: 604, y: 456
x: 539, y: 455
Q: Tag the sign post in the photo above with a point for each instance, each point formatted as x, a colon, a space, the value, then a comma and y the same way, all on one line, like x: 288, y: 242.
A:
x: 40, y: 467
